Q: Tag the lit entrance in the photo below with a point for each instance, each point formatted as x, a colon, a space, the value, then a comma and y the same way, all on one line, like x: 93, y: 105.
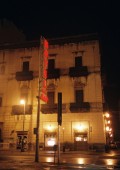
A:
x: 50, y: 140
x: 21, y: 134
x: 80, y: 141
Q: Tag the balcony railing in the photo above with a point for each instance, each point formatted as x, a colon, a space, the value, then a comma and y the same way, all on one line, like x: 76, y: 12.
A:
x: 82, y: 107
x: 24, y: 75
x: 53, y: 73
x: 78, y: 71
x: 19, y: 109
x: 52, y: 108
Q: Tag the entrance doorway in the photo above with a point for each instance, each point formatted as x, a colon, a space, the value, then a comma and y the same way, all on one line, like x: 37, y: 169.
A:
x: 80, y: 141
x: 21, y: 135
x: 50, y: 140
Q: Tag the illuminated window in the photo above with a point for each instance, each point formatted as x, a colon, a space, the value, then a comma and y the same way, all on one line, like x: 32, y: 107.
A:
x: 78, y: 138
x: 50, y: 140
x: 81, y: 137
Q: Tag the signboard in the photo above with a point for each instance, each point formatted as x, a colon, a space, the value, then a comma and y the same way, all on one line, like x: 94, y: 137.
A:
x: 44, y: 60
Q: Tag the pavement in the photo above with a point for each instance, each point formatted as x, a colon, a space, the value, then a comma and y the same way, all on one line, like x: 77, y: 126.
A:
x: 27, y: 164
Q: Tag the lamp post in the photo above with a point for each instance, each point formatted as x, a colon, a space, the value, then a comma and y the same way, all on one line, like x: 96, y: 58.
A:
x: 63, y: 135
x: 22, y: 102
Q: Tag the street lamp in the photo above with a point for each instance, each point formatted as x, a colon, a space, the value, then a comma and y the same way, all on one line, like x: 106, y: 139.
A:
x: 108, y: 128
x: 22, y: 102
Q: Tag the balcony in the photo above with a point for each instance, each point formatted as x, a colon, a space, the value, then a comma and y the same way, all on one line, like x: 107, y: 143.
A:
x: 78, y: 71
x: 19, y: 110
x: 82, y: 107
x: 24, y: 75
x: 53, y: 74
x: 52, y: 108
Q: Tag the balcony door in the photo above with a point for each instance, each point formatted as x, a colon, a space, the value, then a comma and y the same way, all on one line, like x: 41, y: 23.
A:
x: 51, y: 64
x: 50, y: 97
x: 79, y: 96
x: 78, y: 61
x: 26, y: 66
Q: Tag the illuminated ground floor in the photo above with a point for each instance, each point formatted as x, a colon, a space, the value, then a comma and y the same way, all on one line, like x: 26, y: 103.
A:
x: 79, y: 131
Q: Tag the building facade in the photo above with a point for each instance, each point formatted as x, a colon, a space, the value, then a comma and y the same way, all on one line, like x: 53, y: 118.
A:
x: 74, y: 69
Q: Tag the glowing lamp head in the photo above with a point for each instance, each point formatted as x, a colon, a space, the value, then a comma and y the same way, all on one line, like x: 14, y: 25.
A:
x: 22, y: 101
x: 107, y: 115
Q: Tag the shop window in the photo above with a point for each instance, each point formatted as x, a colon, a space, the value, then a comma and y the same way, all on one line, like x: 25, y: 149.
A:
x: 50, y: 140
x: 81, y: 138
x: 78, y: 61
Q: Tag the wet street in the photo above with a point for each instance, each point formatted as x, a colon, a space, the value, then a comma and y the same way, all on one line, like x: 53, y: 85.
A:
x: 68, y: 160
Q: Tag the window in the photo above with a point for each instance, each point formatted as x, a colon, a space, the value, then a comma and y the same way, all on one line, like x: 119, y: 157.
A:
x: 26, y: 66
x: 50, y: 140
x: 78, y: 61
x: 51, y: 64
x: 50, y: 97
x: 79, y: 96
x: 81, y: 138
x: 0, y: 101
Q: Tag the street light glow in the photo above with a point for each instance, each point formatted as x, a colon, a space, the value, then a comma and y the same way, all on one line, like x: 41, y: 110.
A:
x: 22, y: 101
x: 107, y: 115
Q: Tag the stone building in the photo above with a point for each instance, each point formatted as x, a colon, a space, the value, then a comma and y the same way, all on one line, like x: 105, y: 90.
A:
x: 74, y: 69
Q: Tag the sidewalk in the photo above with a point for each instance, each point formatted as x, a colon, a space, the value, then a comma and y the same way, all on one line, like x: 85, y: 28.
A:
x: 41, y: 152
x: 50, y: 152
x: 46, y: 166
x: 28, y: 164
x: 31, y: 165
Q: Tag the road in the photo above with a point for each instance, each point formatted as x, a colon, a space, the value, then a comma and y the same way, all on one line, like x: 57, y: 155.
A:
x: 68, y: 160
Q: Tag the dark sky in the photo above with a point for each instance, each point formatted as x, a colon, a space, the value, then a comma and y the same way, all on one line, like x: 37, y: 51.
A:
x: 54, y: 20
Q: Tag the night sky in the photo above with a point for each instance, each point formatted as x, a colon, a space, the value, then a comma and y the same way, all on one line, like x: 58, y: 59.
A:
x: 55, y: 20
